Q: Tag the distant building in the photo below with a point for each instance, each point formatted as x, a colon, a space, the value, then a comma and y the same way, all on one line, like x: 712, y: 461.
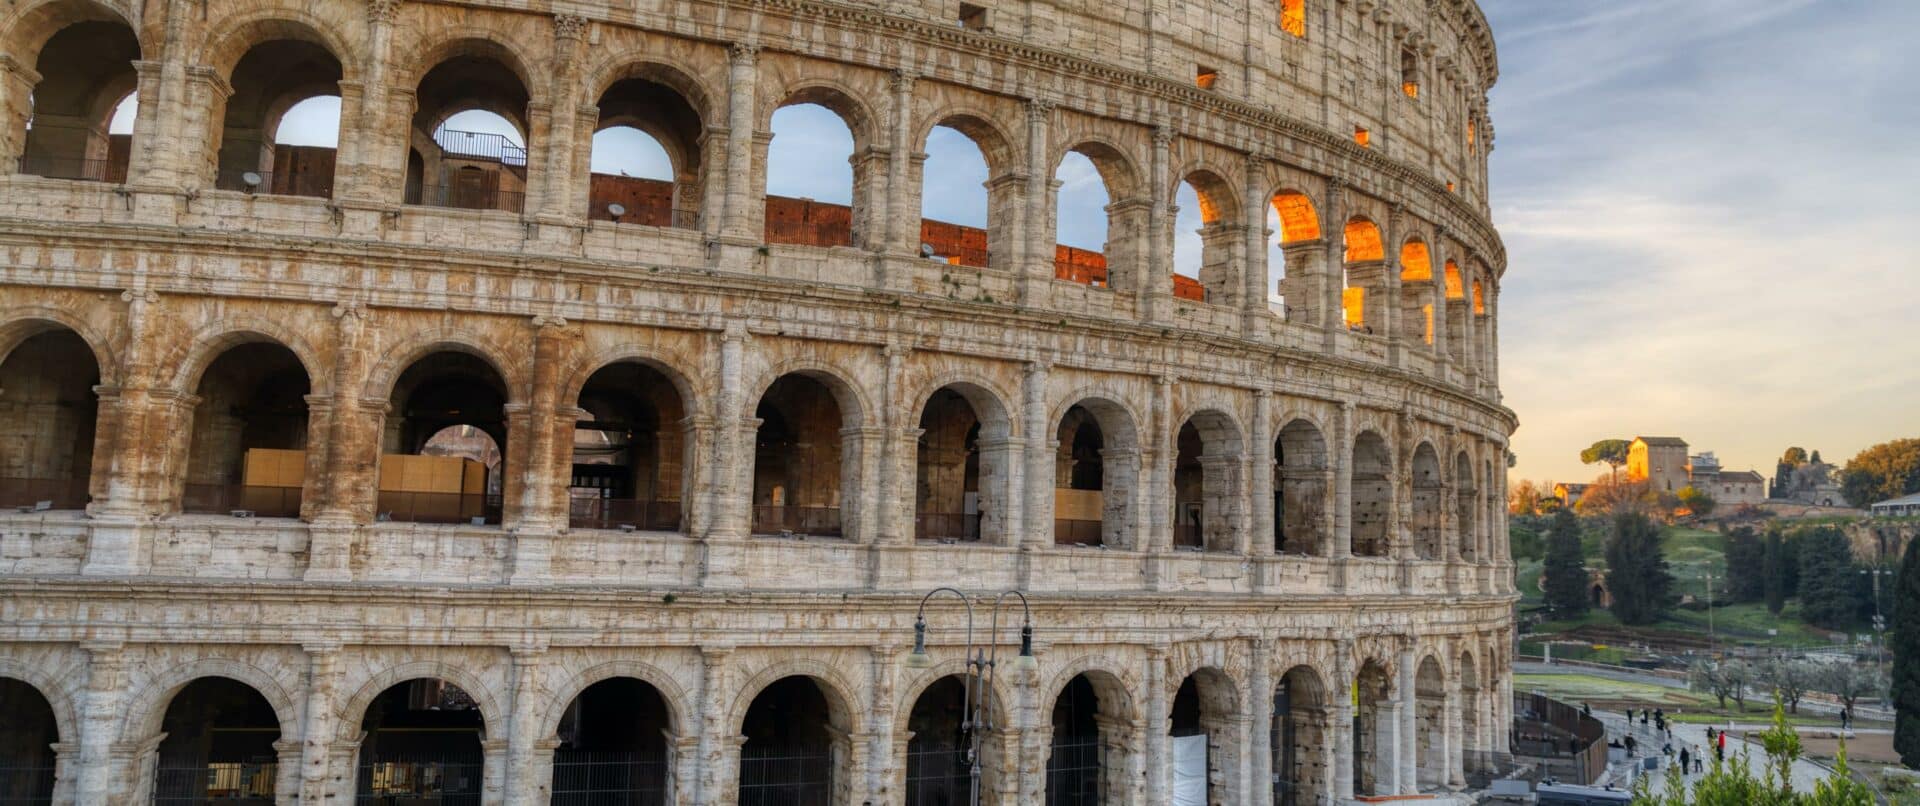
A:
x: 1739, y: 487
x: 1569, y: 494
x: 1660, y: 461
x: 1898, y: 507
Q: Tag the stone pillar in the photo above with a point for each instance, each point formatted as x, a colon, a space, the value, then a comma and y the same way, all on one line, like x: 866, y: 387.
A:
x: 1303, y: 286
x: 1399, y: 472
x: 1259, y: 719
x: 1437, y: 293
x: 1159, y: 762
x: 372, y: 155
x: 1455, y: 733
x: 718, y: 742
x: 1160, y: 453
x: 525, y: 757
x: 1256, y: 274
x: 1041, y: 446
x: 1260, y: 476
x: 102, y: 705
x: 902, y: 210
x: 1333, y: 260
x: 319, y: 725
x: 1342, y: 447
x: 1034, y: 272
x: 1406, y: 720
x: 493, y: 771
x: 17, y: 80
x: 559, y: 182
x: 535, y: 513
x: 1007, y: 223
x: 158, y: 145
x: 726, y: 500
x: 743, y: 212
x: 1152, y: 272
x: 1343, y: 695
x: 350, y: 453
x: 881, y: 773
x: 200, y: 124
x: 1492, y: 344
x: 894, y: 520
x: 1469, y: 356
x: 1396, y: 328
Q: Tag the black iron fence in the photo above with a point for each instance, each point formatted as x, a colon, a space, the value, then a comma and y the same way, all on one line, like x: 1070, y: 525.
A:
x: 773, y: 520
x: 946, y: 526
x: 775, y: 779
x: 419, y: 782
x: 52, y: 493
x: 439, y: 507
x: 1076, y: 773
x: 481, y: 145
x: 939, y: 777
x: 26, y: 784
x: 74, y: 168
x: 613, y: 513
x: 589, y: 778
x: 472, y: 197
x: 188, y: 783
x: 222, y: 499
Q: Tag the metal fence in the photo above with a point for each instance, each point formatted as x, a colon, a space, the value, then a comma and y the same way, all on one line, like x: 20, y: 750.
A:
x: 940, y: 777
x: 419, y: 782
x: 786, y: 780
x: 472, y: 197
x: 613, y: 513
x: 55, y: 493
x: 480, y: 145
x: 1559, y: 732
x: 588, y: 778
x: 75, y: 168
x: 772, y: 520
x: 1076, y: 773
x: 264, y: 502
x: 439, y: 507
x: 188, y: 783
x: 26, y: 785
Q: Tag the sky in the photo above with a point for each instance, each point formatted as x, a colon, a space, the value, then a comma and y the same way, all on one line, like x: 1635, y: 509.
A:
x: 1707, y: 207
x: 1709, y: 210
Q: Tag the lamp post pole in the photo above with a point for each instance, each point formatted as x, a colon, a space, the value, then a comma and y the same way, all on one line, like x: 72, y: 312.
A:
x: 1713, y: 638
x: 977, y: 684
x: 1876, y: 571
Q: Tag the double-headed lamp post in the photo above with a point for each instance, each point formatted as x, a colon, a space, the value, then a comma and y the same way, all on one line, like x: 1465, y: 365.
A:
x: 981, y: 662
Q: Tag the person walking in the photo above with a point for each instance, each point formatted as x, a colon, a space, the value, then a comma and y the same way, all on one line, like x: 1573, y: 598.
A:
x: 1630, y: 745
x: 1686, y: 758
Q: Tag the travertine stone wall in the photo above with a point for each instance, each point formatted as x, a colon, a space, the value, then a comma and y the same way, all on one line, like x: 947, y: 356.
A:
x: 118, y: 600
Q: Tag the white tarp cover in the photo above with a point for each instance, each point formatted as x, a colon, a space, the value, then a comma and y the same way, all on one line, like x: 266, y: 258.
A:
x: 1189, y: 771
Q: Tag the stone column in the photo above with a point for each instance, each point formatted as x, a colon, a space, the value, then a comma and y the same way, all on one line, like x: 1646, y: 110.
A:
x: 1160, y: 453
x: 1333, y: 261
x: 1455, y: 733
x: 543, y: 480
x: 1159, y: 762
x: 1303, y: 286
x: 1259, y: 719
x: 1041, y: 447
x: 200, y: 124
x: 1260, y: 476
x: 319, y: 725
x: 718, y: 742
x: 1406, y: 720
x: 17, y: 80
x: 372, y: 157
x: 1034, y: 272
x: 1396, y: 328
x: 350, y: 447
x: 525, y: 759
x: 894, y: 521
x: 494, y: 754
x: 726, y: 501
x: 1256, y: 274
x: 559, y: 183
x: 1342, y: 447
x: 1469, y: 350
x: 902, y: 211
x: 1437, y: 294
x: 1492, y: 344
x: 881, y: 773
x: 1343, y: 695
x: 102, y: 705
x: 743, y: 210
x: 157, y: 148
x: 1152, y: 273
x: 1399, y: 472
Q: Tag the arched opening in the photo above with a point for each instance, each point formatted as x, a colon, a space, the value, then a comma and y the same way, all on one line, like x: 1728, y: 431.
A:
x: 1205, y: 241
x: 1474, y: 755
x: 1373, y: 734
x: 1299, y: 728
x: 422, y: 745
x: 1087, y: 757
x: 1598, y: 595
x: 795, y: 746
x: 86, y: 76
x: 962, y: 467
x: 470, y: 128
x: 27, y: 737
x: 613, y: 747
x: 1430, y: 725
x: 445, y: 442
x: 1294, y: 292
x: 1416, y: 283
x: 799, y: 459
x: 272, y: 81
x: 943, y: 742
x: 1428, y: 541
x: 814, y: 195
x: 1201, y: 736
x: 1087, y: 214
x: 1095, y: 469
x: 647, y: 155
x: 1300, y: 490
x: 48, y: 409
x: 630, y: 451
x: 954, y: 223
x: 1365, y: 275
x: 219, y: 745
x: 1457, y: 319
x: 1206, y: 483
x: 1466, y: 520
x: 249, y: 436
x: 1372, y: 499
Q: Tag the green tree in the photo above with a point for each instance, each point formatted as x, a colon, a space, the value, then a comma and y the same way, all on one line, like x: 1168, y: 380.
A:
x: 1696, y: 500
x: 1781, y: 569
x: 1829, y: 587
x: 1637, y: 569
x: 1565, y: 585
x: 1905, y: 642
x: 1746, y: 566
x: 1887, y: 470
x: 1611, y: 451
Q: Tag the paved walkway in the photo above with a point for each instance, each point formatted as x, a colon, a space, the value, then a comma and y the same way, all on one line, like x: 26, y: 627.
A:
x: 1694, y: 737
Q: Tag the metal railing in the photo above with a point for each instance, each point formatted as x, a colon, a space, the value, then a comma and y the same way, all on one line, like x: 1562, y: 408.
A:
x: 590, y: 778
x: 940, y: 777
x: 190, y: 783
x: 466, y: 197
x: 270, y: 183
x: 26, y: 784
x: 419, y: 782
x: 438, y: 507
x: 222, y: 499
x: 819, y: 521
x: 946, y: 526
x: 786, y: 780
x: 85, y: 170
x: 1076, y: 773
x: 1560, y: 733
x: 480, y: 145
x: 1086, y: 533
x: 613, y: 513
x: 31, y: 493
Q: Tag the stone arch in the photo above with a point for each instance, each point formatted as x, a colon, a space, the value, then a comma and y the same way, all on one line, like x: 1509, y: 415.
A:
x: 441, y: 45
x: 1206, y: 702
x: 1372, y: 468
x: 851, y: 397
x: 839, y: 98
x: 84, y: 56
x: 1299, y: 220
x: 980, y: 126
x: 678, y: 367
x: 30, y: 27
x: 1090, y: 750
x: 671, y: 107
x: 1428, y: 483
x: 1466, y: 519
x: 1001, y: 700
x: 1118, y: 169
x: 833, y: 684
x: 1109, y: 678
x: 232, y: 330
x: 1303, y: 470
x: 963, y: 464
x: 146, y: 710
x: 660, y: 68
x: 272, y: 59
x: 1219, y: 196
x: 1374, y: 750
x: 987, y: 396
x: 227, y: 43
x: 1429, y: 716
x: 1300, y: 724
x: 1106, y: 476
x: 24, y: 323
x: 352, y: 710
x: 561, y: 696
x: 405, y: 353
x: 66, y: 713
x: 1209, y: 459
x: 1416, y: 262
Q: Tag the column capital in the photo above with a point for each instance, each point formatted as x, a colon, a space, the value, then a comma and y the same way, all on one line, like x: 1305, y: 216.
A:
x: 1039, y: 110
x: 569, y: 26
x: 1163, y: 136
x: 382, y: 12
x: 902, y: 79
x: 743, y: 54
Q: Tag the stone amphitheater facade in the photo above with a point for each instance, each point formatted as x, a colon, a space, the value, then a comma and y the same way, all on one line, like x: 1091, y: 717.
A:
x: 727, y: 466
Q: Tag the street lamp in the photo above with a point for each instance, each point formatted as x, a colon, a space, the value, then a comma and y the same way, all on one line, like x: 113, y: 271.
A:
x: 1713, y: 638
x: 1876, y: 571
x: 981, y: 662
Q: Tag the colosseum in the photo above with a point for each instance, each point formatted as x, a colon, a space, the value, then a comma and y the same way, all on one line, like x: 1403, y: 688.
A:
x: 381, y: 472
